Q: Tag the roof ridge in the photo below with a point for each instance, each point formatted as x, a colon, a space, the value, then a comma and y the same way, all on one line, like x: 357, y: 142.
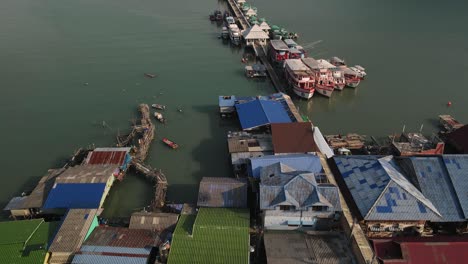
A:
x: 425, y: 201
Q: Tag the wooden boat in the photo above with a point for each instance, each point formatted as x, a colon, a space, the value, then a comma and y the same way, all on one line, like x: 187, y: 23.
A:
x: 149, y: 75
x: 158, y: 106
x: 171, y: 144
x: 159, y: 117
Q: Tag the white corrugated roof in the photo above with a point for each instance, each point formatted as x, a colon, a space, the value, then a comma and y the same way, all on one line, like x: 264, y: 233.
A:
x: 325, y: 64
x: 296, y: 65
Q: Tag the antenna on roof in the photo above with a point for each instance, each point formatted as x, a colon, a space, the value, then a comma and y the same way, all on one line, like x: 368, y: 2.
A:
x: 420, y: 130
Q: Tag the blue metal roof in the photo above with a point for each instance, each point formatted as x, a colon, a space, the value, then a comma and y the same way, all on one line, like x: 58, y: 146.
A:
x: 75, y: 195
x: 299, y: 162
x: 261, y: 112
x: 435, y: 184
x: 457, y: 167
x: 227, y: 101
x: 381, y: 192
x: 106, y: 259
x: 112, y: 249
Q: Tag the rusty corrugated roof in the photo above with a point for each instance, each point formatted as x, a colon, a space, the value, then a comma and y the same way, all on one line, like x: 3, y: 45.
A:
x: 293, y: 138
x: 122, y: 237
x: 153, y: 221
x: 222, y: 192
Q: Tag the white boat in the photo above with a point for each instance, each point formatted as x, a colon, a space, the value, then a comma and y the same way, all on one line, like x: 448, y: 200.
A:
x: 230, y: 20
x: 324, y: 81
x: 352, y: 78
x: 225, y: 33
x: 300, y: 78
x: 159, y: 117
x: 361, y: 71
x: 339, y: 79
x: 235, y: 34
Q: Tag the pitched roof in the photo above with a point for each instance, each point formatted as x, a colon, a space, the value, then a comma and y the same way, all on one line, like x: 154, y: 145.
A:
x: 25, y: 241
x: 293, y: 138
x: 434, y: 182
x: 153, y: 221
x: 286, y: 187
x: 381, y: 192
x: 255, y: 32
x: 222, y: 192
x: 214, y: 235
x: 75, y: 195
x: 106, y: 259
x: 459, y: 139
x: 73, y: 231
x: 264, y: 25
x: 296, y: 65
x: 258, y: 113
x: 457, y: 168
x: 278, y: 44
x: 299, y: 162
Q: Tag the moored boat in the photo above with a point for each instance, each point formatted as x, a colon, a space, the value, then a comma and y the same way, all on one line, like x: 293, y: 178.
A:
x: 324, y: 82
x: 339, y: 78
x: 230, y: 20
x: 351, y: 77
x: 278, y: 51
x: 170, y: 143
x: 225, y: 33
x: 337, y: 62
x: 361, y: 71
x: 234, y: 34
x: 159, y: 117
x: 300, y: 78
x: 159, y: 106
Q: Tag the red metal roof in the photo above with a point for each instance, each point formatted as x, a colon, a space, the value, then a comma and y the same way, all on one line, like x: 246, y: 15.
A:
x: 459, y: 139
x: 107, y: 157
x: 437, y: 250
x: 293, y: 138
x: 122, y: 237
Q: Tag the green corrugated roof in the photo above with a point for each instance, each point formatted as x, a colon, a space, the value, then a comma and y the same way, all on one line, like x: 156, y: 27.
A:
x: 215, y: 235
x: 25, y: 241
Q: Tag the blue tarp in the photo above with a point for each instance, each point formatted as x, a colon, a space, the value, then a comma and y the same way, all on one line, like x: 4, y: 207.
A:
x: 75, y: 195
x: 261, y: 112
x: 299, y: 162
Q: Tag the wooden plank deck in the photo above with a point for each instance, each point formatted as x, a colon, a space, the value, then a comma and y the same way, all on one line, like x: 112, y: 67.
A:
x: 244, y: 23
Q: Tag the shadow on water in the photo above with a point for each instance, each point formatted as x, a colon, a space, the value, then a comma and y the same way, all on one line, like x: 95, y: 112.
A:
x: 204, y: 154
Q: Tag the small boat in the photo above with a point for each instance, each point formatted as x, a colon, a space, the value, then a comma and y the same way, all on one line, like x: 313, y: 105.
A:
x: 159, y: 117
x: 230, y: 20
x: 149, y: 75
x: 158, y: 106
x: 361, y: 71
x: 225, y: 33
x: 255, y: 70
x: 171, y: 144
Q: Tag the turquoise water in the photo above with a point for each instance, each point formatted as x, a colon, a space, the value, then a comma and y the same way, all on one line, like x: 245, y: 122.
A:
x: 415, y: 54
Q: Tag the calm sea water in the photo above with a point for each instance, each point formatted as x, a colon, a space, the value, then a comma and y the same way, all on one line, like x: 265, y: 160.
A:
x: 415, y: 53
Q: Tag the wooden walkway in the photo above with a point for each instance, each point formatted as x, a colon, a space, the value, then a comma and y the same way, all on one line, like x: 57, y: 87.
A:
x: 261, y: 54
x: 244, y: 23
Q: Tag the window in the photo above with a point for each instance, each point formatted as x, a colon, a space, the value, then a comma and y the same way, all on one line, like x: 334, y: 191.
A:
x: 319, y: 208
x: 286, y: 207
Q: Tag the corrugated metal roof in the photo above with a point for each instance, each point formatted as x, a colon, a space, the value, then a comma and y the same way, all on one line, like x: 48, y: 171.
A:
x: 299, y: 162
x: 105, y: 259
x: 381, y: 192
x: 75, y: 195
x: 457, y: 167
x: 15, y: 203
x: 322, y: 143
x: 278, y: 44
x: 73, y: 230
x: 222, y: 192
x: 255, y: 32
x: 293, y: 138
x: 38, y: 196
x: 18, y: 231
x: 122, y: 250
x: 116, y: 156
x: 87, y: 174
x: 435, y: 184
x: 153, y: 221
x: 261, y: 112
x: 122, y: 237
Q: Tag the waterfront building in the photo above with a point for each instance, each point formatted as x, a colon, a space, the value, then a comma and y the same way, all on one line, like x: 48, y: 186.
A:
x: 265, y: 27
x: 300, y: 137
x: 278, y: 51
x: 293, y: 199
x: 211, y: 235
x: 118, y: 245
x: 110, y: 156
x: 255, y: 35
x: 75, y: 228
x: 25, y: 241
x: 399, y: 194
x: 299, y: 162
x: 260, y: 113
x: 222, y: 192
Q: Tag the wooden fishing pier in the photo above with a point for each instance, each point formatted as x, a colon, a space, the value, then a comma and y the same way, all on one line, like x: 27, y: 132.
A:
x: 140, y: 139
x: 243, y: 22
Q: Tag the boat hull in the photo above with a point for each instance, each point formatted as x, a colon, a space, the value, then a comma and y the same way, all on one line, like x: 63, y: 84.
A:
x: 324, y: 90
x: 353, y: 83
x: 306, y: 94
x: 340, y: 86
